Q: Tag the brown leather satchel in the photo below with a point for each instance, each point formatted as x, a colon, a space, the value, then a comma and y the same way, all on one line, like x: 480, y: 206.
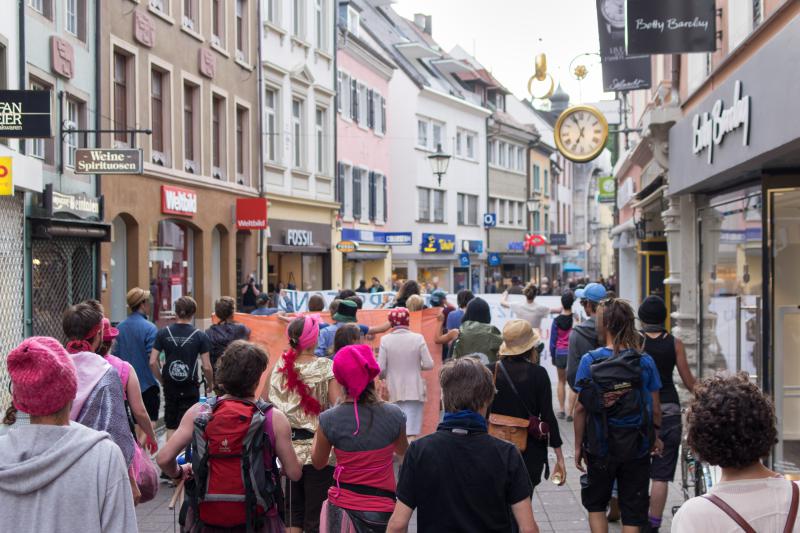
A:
x: 509, y: 428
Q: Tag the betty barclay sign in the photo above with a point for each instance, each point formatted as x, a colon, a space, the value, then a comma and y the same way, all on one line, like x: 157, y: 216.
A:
x: 25, y: 114
x: 709, y: 129
x: 178, y: 201
x: 671, y: 27
x: 102, y: 161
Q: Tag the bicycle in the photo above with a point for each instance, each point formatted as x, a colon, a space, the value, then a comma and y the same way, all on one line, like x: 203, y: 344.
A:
x: 696, y: 476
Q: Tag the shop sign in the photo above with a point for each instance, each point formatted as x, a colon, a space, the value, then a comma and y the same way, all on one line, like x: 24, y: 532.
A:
x: 607, y: 189
x: 251, y: 213
x: 6, y: 177
x: 299, y: 237
x: 80, y: 205
x: 710, y: 129
x: 463, y: 259
x: 472, y: 247
x: 178, y: 201
x: 621, y: 72
x: 377, y: 237
x: 347, y: 247
x: 107, y: 161
x: 516, y: 246
x: 494, y: 260
x: 438, y: 243
x: 558, y: 239
x: 673, y: 27
x: 25, y: 114
x: 490, y: 220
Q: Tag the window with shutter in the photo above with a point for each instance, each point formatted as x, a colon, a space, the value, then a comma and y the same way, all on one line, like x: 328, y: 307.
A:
x: 354, y: 100
x: 385, y: 201
x: 370, y: 109
x: 373, y: 196
x: 340, y: 187
x: 383, y: 117
x: 356, y: 193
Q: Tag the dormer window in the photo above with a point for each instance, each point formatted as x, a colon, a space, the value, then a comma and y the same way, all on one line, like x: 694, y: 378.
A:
x: 350, y: 18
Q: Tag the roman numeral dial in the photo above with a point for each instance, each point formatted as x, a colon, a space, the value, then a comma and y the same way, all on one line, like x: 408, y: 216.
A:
x: 581, y: 133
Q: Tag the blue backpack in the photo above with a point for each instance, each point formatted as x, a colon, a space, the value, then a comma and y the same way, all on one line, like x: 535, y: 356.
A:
x: 619, y: 426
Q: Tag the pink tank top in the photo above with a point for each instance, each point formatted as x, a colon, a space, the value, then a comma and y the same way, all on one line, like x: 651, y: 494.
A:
x: 123, y: 369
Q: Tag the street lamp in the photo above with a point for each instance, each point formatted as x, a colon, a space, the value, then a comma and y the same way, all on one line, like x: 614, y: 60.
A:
x: 533, y: 203
x: 439, y: 162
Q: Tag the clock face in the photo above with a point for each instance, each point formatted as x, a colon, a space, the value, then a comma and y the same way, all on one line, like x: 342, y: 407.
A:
x: 581, y: 133
x: 614, y: 12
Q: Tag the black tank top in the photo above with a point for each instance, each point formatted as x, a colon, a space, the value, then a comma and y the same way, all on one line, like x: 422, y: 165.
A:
x: 662, y: 350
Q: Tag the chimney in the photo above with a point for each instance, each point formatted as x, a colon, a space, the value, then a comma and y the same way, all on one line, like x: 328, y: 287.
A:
x: 424, y: 22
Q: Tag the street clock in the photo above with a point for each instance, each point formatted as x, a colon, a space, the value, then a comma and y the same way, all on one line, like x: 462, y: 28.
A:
x: 581, y: 133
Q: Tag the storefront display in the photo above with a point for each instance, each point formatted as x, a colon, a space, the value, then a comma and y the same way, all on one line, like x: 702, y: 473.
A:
x: 298, y: 256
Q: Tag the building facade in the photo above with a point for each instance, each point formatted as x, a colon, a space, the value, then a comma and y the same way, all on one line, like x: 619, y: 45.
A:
x: 187, y: 71
x: 60, y: 54
x: 447, y: 247
x: 363, y: 148
x: 299, y: 148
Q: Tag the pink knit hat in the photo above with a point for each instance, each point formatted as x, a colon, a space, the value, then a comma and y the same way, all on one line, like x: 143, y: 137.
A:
x: 43, y: 376
x: 354, y: 367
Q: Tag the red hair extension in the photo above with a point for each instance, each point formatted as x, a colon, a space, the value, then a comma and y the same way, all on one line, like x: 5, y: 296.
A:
x: 308, y: 403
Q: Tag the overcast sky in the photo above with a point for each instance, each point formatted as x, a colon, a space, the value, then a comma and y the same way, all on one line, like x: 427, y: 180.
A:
x: 506, y: 35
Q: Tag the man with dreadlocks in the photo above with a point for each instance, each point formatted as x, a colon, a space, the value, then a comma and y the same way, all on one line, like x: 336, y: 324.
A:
x: 302, y: 386
x: 616, y: 419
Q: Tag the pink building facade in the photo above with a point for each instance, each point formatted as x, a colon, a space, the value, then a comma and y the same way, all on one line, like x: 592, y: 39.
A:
x: 362, y: 181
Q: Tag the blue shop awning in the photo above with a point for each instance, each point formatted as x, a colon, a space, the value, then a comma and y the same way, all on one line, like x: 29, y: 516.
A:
x: 571, y: 267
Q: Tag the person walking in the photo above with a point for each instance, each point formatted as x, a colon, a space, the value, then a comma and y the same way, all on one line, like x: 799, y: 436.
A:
x: 224, y: 502
x: 99, y: 401
x: 131, y: 390
x: 227, y: 330
x: 616, y: 418
x: 460, y: 478
x: 476, y: 335
x: 528, y: 310
x: 731, y: 425
x: 559, y: 352
x: 376, y: 286
x: 46, y: 464
x: 668, y: 353
x: 364, y: 433
x: 302, y: 386
x: 133, y: 345
x: 524, y: 391
x: 183, y: 345
x: 584, y: 337
x: 402, y: 356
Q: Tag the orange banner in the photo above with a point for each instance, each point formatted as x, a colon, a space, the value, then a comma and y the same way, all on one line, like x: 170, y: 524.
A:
x: 270, y: 333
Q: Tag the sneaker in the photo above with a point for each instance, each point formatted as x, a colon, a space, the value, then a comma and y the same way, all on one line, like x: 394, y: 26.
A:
x: 561, y: 415
x: 570, y: 419
x: 613, y: 510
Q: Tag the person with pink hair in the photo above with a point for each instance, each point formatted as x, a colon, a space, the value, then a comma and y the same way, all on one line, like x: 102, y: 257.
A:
x: 365, y: 433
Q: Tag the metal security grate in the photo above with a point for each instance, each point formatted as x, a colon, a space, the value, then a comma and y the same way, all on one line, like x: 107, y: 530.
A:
x: 62, y: 276
x: 11, y: 285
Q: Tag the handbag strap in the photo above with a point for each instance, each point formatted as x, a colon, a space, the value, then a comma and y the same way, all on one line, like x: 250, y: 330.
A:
x: 792, y: 518
x: 728, y: 510
x: 513, y: 387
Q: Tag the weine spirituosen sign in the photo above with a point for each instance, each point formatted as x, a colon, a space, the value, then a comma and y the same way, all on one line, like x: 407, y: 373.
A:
x: 106, y: 161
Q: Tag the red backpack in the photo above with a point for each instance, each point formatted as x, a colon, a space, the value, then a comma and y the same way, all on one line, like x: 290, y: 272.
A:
x: 233, y: 460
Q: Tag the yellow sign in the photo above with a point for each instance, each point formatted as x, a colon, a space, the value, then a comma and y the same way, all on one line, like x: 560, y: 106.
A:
x: 6, y: 181
x: 347, y: 247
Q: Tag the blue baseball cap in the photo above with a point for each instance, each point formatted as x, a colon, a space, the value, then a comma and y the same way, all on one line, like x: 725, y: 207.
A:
x: 438, y: 297
x: 594, y: 292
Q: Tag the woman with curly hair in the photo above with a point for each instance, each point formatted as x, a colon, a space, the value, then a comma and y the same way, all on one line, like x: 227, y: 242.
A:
x: 732, y: 425
x: 302, y: 386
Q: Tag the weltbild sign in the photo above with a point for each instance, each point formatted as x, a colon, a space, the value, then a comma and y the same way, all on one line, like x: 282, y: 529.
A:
x: 25, y: 114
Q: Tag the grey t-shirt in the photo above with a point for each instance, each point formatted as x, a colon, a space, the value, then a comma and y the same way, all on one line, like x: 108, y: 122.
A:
x: 381, y: 425
x: 532, y: 312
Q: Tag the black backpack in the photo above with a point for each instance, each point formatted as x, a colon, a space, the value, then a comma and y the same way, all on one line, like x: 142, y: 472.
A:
x: 618, y: 426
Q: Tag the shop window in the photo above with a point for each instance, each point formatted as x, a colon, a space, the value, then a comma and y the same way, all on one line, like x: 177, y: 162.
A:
x: 171, y: 262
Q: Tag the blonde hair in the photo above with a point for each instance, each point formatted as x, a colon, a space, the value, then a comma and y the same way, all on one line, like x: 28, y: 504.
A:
x: 415, y: 302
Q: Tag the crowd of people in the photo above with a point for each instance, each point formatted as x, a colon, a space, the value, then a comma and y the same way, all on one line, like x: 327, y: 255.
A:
x: 330, y: 436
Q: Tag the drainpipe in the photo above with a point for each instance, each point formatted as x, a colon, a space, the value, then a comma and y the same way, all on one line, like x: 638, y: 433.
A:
x: 488, y: 201
x: 261, y: 192
x: 335, y: 112
x: 98, y: 63
x: 26, y: 228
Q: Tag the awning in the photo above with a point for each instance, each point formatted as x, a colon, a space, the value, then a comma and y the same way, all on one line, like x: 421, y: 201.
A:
x: 571, y: 267
x: 628, y: 225
x: 284, y: 248
x: 365, y: 256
